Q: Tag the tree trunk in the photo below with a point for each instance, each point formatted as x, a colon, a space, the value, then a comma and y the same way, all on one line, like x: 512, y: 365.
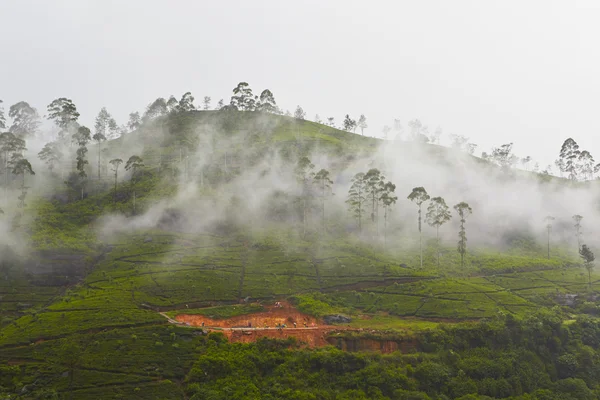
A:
x: 437, y: 237
x: 420, y: 238
x: 99, y: 162
x: 115, y: 195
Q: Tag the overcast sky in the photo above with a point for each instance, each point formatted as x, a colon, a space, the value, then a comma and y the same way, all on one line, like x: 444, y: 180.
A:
x: 495, y: 71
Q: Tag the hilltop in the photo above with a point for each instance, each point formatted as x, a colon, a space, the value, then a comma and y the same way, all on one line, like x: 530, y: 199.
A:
x: 214, y: 229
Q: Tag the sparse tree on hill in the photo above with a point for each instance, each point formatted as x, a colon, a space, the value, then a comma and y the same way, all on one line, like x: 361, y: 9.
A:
x: 386, y: 130
x: 304, y: 175
x: 388, y: 199
x: 26, y: 119
x: 51, y: 155
x: 463, y: 210
x: 220, y: 105
x: 186, y: 103
x: 375, y: 181
x: 134, y: 121
x: 362, y: 124
x: 436, y: 136
x: 115, y: 163
x: 22, y: 167
x: 134, y: 164
x: 586, y: 164
x: 156, y: 109
x: 82, y: 138
x: 398, y: 129
x: 318, y: 119
x: 2, y: 117
x: 267, y: 102
x: 299, y: 113
x: 104, y: 124
x: 324, y: 183
x: 206, y: 103
x: 419, y: 196
x: 577, y: 218
x: 588, y: 260
x: 64, y: 113
x: 503, y: 156
x: 172, y: 105
x: 458, y: 142
x: 471, y: 148
x: 560, y: 165
x: 525, y: 162
x: 548, y: 220
x: 331, y: 122
x: 10, y: 147
x: 357, y: 197
x: 242, y: 98
x: 349, y: 124
x: 438, y: 213
x: 568, y: 156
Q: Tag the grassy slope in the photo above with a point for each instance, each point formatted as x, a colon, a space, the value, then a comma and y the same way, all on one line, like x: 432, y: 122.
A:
x: 110, y: 312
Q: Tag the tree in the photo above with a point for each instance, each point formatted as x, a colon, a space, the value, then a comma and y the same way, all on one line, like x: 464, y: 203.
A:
x: 419, y: 196
x: 26, y: 119
x: 525, y: 162
x: 588, y: 259
x: 374, y: 185
x: 438, y: 213
x: 299, y: 113
x: 134, y: 121
x: 362, y: 123
x: 104, y: 124
x: 172, y: 105
x: 318, y: 119
x: 64, y: 113
x: 436, y: 135
x: 416, y: 129
x: 349, y: 124
x: 331, y: 122
x: 548, y: 220
x: 463, y: 210
x: 324, y: 183
x: 220, y: 105
x: 304, y: 176
x: 134, y: 164
x: 115, y: 163
x: 156, y: 109
x: 386, y: 130
x: 206, y: 103
x: 503, y: 156
x: 2, y: 117
x: 586, y: 164
x: 357, y: 197
x: 186, y: 103
x: 82, y: 138
x: 568, y: 156
x: 267, y: 102
x: 10, y: 146
x: 242, y: 98
x: 577, y: 218
x: 458, y: 142
x: 51, y: 155
x: 22, y: 167
x: 388, y: 199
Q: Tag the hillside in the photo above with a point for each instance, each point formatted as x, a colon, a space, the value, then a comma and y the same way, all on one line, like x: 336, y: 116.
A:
x: 145, y: 291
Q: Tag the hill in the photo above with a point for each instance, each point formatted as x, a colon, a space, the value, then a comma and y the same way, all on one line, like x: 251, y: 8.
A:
x: 142, y: 285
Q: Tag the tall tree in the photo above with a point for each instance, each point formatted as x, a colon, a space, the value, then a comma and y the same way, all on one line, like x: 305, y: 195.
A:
x: 438, y: 213
x: 172, y: 105
x: 386, y: 130
x: 134, y: 121
x: 242, y: 98
x: 186, y: 103
x: 503, y: 156
x: 349, y: 124
x: 324, y: 183
x: 82, y: 138
x: 267, y: 102
x: 419, y: 196
x: 387, y: 199
x: 586, y: 164
x: 463, y: 210
x: 362, y: 124
x: 104, y: 123
x: 569, y: 155
x: 299, y: 113
x: 115, y: 162
x: 22, y: 167
x: 357, y: 196
x: 436, y: 136
x: 416, y: 129
x: 156, y: 109
x: 134, y: 164
x: 375, y: 181
x: 588, y: 259
x: 206, y: 103
x: 548, y: 220
x: 220, y: 105
x: 10, y: 146
x: 331, y: 122
x: 26, y: 119
x: 51, y: 155
x: 2, y: 117
x: 577, y: 218
x: 64, y: 113
x: 304, y: 176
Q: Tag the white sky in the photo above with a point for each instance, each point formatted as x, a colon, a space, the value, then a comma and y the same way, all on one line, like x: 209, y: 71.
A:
x: 495, y: 71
